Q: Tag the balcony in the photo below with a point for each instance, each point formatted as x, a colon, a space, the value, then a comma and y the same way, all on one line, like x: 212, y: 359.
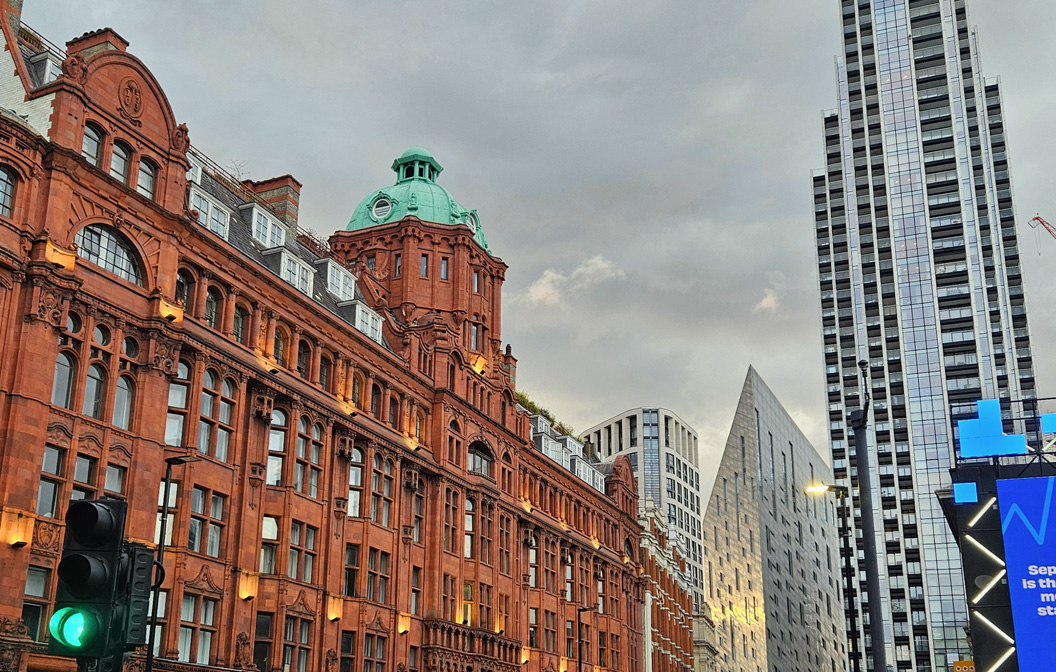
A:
x: 442, y: 638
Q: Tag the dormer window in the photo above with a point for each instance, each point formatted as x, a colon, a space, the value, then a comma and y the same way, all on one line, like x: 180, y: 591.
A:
x: 210, y: 214
x: 368, y: 322
x: 297, y: 273
x: 267, y: 231
x: 339, y: 281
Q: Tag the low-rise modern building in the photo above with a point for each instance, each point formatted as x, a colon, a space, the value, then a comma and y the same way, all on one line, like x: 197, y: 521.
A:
x: 771, y: 551
x: 662, y: 449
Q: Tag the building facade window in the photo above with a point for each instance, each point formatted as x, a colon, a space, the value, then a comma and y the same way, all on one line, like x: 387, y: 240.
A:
x: 276, y: 447
x: 147, y: 177
x: 213, y: 312
x: 469, y: 529
x: 450, y: 520
x: 308, y: 471
x: 424, y: 270
x: 348, y: 651
x: 51, y: 481
x: 351, y: 570
x: 381, y: 491
x: 197, y: 617
x: 269, y: 548
x: 105, y: 248
x: 94, y: 391
x: 120, y: 157
x: 416, y: 590
x: 296, y: 648
x: 84, y: 468
x: 179, y: 395
x: 378, y: 576
x: 215, y: 424
x: 262, y: 634
x: 62, y: 382
x: 374, y: 653
x: 505, y: 523
x: 355, y: 483
x: 92, y: 144
x: 124, y: 400
x: 206, y: 531
x: 301, y: 561
x: 240, y: 326
x: 7, y: 191
x: 35, y: 602
x: 479, y: 460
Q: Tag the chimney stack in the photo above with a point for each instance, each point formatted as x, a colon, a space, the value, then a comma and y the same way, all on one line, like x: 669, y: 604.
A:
x: 282, y: 193
x: 103, y: 39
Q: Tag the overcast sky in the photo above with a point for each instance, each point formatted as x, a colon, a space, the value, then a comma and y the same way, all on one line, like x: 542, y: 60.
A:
x: 643, y: 167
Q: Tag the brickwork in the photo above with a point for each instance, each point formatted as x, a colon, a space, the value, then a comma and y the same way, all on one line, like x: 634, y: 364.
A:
x: 357, y: 498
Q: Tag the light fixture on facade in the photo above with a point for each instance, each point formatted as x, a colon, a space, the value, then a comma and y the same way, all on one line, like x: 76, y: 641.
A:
x: 247, y: 585
x: 17, y: 528
x: 335, y: 607
x: 403, y: 623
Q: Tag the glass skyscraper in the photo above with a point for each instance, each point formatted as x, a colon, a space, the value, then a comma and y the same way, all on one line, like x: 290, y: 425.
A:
x: 919, y: 274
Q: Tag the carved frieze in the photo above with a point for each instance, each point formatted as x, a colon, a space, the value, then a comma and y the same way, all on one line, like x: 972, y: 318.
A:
x: 47, y: 537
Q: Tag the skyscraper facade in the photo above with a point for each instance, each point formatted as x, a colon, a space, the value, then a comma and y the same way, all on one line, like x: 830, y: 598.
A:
x: 662, y: 449
x: 919, y: 275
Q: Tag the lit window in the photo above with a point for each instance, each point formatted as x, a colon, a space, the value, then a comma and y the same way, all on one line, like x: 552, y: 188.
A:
x: 92, y: 145
x: 119, y: 160
x: 147, y: 177
x: 106, y: 249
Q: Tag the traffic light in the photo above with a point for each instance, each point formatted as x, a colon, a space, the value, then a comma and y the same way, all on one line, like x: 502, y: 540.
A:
x: 92, y: 578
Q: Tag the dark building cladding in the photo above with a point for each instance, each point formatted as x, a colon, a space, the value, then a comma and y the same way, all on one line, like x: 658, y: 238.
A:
x: 919, y: 274
x: 366, y: 494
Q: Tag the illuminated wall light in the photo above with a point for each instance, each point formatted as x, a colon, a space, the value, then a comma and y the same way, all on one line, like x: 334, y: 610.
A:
x: 58, y: 257
x: 526, y: 655
x: 982, y: 512
x: 247, y: 585
x: 1002, y: 659
x: 597, y: 544
x: 987, y: 587
x: 564, y: 665
x: 993, y: 627
x: 170, y: 311
x: 403, y: 623
x: 17, y: 528
x: 335, y: 607
x: 984, y: 549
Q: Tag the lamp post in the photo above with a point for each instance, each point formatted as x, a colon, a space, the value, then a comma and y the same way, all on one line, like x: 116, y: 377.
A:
x: 847, y: 550
x: 159, y: 562
x: 579, y: 636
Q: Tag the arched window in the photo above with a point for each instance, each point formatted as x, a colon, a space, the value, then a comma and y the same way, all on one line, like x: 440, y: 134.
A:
x: 213, y: 301
x: 92, y: 145
x: 479, y: 460
x: 184, y: 288
x: 215, y: 421
x: 419, y: 421
x: 469, y: 528
x: 178, y: 398
x: 124, y: 398
x: 454, y: 444
x: 381, y: 491
x: 94, y: 390
x: 147, y: 177
x: 304, y: 358
x: 394, y: 412
x: 357, y: 385
x: 120, y: 158
x: 355, y: 482
x: 276, y: 447
x: 62, y: 383
x: 450, y: 520
x: 108, y: 250
x: 241, y: 325
x: 280, y: 347
x: 7, y: 191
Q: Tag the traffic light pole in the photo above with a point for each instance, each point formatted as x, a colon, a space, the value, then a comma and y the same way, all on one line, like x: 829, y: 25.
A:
x: 159, y: 568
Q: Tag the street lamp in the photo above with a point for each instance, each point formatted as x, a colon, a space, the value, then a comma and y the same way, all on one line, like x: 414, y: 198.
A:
x: 846, y: 551
x: 159, y: 562
x: 579, y: 636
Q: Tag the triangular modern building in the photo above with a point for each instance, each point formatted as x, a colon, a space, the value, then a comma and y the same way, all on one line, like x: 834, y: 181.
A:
x: 771, y: 551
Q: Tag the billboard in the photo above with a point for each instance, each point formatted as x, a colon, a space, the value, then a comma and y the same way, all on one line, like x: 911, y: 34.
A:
x: 1030, y: 560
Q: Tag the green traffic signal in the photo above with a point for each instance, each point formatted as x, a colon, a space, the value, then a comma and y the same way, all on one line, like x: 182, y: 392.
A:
x: 74, y: 627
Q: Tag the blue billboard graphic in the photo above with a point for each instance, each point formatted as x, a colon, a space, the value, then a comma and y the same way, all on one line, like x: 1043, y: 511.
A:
x: 1030, y: 559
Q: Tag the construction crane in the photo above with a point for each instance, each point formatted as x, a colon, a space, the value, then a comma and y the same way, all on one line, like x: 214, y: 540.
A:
x: 1040, y: 221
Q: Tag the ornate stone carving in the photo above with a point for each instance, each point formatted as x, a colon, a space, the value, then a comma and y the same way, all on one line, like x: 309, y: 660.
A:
x: 10, y: 658
x: 376, y: 625
x: 244, y: 652
x: 59, y: 435
x: 300, y: 605
x: 130, y: 101
x: 75, y: 69
x: 204, y: 582
x: 166, y: 354
x: 331, y: 660
x: 13, y: 627
x: 263, y: 403
x: 51, y: 303
x: 181, y: 139
x: 47, y: 537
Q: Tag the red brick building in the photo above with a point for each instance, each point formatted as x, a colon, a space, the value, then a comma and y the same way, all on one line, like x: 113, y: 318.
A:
x: 668, y: 605
x: 367, y: 495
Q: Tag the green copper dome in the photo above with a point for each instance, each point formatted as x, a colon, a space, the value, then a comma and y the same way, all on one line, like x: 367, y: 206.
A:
x: 415, y: 193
